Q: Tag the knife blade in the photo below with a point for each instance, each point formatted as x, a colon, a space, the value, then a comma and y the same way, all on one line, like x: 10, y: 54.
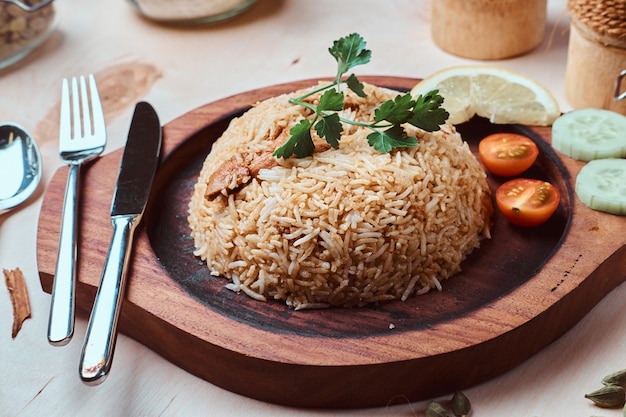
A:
x: 136, y: 174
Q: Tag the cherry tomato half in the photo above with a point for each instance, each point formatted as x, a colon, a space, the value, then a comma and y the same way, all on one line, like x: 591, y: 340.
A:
x: 507, y: 154
x: 527, y: 202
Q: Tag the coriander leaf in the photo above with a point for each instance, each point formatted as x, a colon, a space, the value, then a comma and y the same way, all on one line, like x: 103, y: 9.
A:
x: 299, y: 143
x: 355, y: 85
x: 430, y: 121
x: 305, y: 145
x: 433, y: 98
x: 331, y: 100
x: 424, y: 112
x: 330, y: 128
x: 349, y: 51
x: 428, y: 113
x: 394, y: 137
x: 396, y: 111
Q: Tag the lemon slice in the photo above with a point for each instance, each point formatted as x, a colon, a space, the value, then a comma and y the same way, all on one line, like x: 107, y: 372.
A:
x: 500, y: 95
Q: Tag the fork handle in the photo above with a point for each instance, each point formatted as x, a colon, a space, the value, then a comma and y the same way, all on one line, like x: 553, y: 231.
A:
x: 99, y: 344
x: 62, y: 304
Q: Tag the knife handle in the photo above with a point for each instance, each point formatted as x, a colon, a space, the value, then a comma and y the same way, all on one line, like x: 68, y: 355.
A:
x: 99, y: 344
x: 62, y: 303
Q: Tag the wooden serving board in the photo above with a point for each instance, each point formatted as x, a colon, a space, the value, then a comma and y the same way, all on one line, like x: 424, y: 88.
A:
x: 519, y: 292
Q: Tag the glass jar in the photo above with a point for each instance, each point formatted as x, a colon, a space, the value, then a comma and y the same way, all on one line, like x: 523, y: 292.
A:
x: 24, y: 25
x: 191, y: 12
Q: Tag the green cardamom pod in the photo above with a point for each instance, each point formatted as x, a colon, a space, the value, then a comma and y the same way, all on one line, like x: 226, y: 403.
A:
x: 610, y: 396
x: 616, y: 378
x: 436, y: 410
x: 460, y: 404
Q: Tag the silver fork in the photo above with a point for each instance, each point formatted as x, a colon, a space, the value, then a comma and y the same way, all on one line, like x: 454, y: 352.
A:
x: 78, y: 143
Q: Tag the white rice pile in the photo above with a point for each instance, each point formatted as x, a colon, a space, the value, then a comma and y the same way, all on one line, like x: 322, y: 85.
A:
x: 344, y: 227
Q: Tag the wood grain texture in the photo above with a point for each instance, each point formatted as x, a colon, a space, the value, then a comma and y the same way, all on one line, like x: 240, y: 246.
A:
x: 519, y: 292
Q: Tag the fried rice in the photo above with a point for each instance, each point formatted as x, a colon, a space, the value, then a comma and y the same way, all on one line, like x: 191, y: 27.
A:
x: 343, y: 227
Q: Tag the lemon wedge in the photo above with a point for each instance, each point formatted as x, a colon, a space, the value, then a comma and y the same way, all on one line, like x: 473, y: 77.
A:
x: 500, y: 95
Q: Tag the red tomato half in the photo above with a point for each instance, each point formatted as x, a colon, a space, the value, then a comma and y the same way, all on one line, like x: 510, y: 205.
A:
x: 527, y: 202
x: 507, y: 154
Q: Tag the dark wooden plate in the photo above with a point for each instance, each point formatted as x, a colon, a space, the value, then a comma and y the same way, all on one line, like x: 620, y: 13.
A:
x: 516, y: 294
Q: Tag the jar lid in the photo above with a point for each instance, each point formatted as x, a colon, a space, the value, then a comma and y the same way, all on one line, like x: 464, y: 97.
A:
x: 601, y: 20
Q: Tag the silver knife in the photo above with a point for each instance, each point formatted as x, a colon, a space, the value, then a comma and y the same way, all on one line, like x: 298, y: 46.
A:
x: 137, y: 170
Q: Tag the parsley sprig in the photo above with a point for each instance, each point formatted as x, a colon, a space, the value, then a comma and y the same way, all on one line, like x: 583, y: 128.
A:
x: 424, y: 112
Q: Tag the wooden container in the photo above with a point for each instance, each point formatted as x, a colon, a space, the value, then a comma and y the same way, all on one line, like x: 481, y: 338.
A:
x: 488, y: 29
x: 597, y: 53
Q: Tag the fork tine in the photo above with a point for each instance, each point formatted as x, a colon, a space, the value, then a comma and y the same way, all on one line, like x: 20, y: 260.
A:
x: 96, y: 107
x: 85, y: 105
x: 76, y: 109
x: 65, y: 129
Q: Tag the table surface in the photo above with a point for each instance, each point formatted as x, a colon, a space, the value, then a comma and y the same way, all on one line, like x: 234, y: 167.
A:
x: 178, y: 70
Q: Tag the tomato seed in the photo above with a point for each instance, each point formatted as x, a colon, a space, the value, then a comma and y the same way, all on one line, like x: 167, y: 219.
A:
x: 515, y: 152
x: 542, y: 194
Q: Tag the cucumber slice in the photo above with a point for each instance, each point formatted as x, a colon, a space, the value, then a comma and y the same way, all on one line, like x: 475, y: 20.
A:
x: 588, y: 134
x: 601, y: 185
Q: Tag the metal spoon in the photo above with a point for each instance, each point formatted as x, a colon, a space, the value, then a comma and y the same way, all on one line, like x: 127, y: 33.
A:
x: 618, y: 86
x: 27, y: 6
x: 20, y: 166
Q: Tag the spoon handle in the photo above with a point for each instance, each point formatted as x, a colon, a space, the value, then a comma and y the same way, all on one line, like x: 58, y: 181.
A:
x: 62, y: 305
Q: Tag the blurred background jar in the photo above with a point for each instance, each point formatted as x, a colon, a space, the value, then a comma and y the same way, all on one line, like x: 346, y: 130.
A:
x: 597, y: 54
x: 191, y: 12
x: 488, y: 29
x: 24, y: 25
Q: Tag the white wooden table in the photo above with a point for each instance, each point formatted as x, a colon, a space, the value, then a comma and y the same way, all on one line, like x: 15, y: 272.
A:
x: 179, y: 69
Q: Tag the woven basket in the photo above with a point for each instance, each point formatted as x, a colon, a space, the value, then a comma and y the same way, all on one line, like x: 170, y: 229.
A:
x: 597, y: 53
x: 488, y: 29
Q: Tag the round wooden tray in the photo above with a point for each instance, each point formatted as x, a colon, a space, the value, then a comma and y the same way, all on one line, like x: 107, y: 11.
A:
x: 519, y: 292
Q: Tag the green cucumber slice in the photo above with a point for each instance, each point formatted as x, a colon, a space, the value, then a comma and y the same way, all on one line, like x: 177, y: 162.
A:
x: 588, y: 134
x: 601, y: 185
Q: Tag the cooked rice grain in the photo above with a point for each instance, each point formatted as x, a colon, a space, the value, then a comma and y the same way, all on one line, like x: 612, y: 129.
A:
x: 344, y: 227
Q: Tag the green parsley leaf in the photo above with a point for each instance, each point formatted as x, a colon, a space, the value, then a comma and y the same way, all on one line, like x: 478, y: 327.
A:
x: 355, y: 85
x: 396, y: 111
x: 394, y: 137
x: 330, y: 128
x: 428, y: 113
x: 349, y: 52
x: 299, y: 143
x: 331, y: 100
x: 424, y: 112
